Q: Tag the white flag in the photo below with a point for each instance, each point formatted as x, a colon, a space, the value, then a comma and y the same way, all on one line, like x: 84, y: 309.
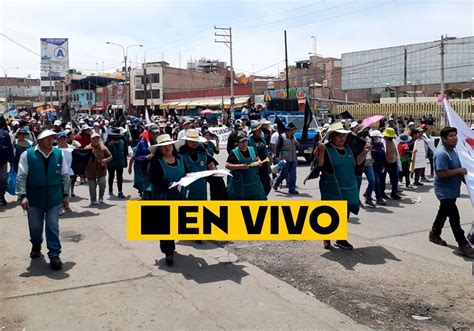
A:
x: 147, y: 117
x: 465, y: 146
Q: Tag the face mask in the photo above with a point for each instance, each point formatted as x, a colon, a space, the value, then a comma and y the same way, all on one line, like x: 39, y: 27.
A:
x: 377, y: 140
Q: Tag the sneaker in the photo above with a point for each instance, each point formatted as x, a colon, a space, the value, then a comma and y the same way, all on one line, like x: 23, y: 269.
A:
x: 381, y: 202
x: 426, y: 180
x: 35, y: 252
x: 120, y: 195
x: 3, y: 202
x: 418, y: 184
x: 386, y: 197
x: 169, y: 260
x: 101, y: 201
x: 55, y: 263
x: 327, y: 244
x: 294, y: 192
x: 395, y: 196
x: 434, y: 238
x: 409, y: 186
x: 344, y: 244
x: 275, y: 187
x: 95, y: 203
x: 72, y: 195
x: 369, y: 203
x: 111, y: 193
x: 466, y: 250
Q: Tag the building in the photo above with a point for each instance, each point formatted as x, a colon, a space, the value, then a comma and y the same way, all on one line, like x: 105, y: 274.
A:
x: 209, y: 66
x: 411, y: 70
x: 20, y: 88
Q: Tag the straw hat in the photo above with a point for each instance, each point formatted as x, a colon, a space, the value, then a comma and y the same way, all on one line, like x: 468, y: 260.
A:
x: 46, y: 133
x: 256, y: 126
x: 193, y: 135
x: 162, y: 140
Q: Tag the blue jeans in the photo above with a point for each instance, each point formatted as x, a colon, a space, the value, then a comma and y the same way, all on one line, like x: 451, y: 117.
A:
x: 378, y: 182
x: 36, y: 218
x: 288, y: 171
x: 369, y: 173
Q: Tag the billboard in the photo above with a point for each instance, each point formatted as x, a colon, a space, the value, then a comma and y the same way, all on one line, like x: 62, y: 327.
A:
x: 54, y: 57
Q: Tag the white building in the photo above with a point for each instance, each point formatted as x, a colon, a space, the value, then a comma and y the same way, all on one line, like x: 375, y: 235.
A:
x: 154, y: 87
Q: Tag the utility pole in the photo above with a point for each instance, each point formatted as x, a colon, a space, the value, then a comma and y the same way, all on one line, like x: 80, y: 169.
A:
x: 227, y: 36
x: 442, y: 52
x: 286, y: 66
x: 145, y: 87
x: 50, y: 86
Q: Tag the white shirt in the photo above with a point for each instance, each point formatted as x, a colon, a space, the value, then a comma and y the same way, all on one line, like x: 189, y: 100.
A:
x: 274, y: 138
x: 67, y: 154
x: 23, y: 164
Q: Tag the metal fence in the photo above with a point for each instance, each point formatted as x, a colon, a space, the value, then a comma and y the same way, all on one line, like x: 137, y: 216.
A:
x: 465, y: 109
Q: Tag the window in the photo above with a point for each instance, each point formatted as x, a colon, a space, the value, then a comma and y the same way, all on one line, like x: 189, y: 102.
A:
x: 154, y: 78
x: 156, y: 94
x: 139, y: 95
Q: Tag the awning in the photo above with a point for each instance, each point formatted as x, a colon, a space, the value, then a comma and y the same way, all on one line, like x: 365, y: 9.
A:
x: 204, y: 102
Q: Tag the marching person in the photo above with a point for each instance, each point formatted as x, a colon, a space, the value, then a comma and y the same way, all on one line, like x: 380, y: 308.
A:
x: 392, y: 164
x: 43, y: 185
x: 242, y: 162
x: 84, y: 139
x: 405, y: 158
x: 430, y: 148
x: 259, y: 144
x: 97, y: 168
x: 447, y: 185
x: 286, y: 149
x: 118, y: 148
x: 196, y: 159
x: 67, y: 153
x: 21, y: 145
x: 166, y: 166
x: 418, y: 156
x: 212, y: 144
x: 338, y: 173
x: 6, y: 156
x: 378, y: 155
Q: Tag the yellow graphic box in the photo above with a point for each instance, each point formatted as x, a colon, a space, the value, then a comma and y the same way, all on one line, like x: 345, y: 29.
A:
x: 237, y: 220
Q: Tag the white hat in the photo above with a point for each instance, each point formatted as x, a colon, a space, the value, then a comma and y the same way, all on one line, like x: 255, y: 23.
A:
x: 106, y: 122
x: 326, y: 125
x: 68, y: 126
x: 15, y: 123
x: 162, y: 140
x: 411, y: 123
x: 376, y: 133
x: 336, y: 127
x: 95, y: 134
x: 96, y: 124
x: 265, y: 121
x: 85, y: 127
x: 354, y: 124
x: 57, y: 123
x: 46, y: 133
x: 193, y: 135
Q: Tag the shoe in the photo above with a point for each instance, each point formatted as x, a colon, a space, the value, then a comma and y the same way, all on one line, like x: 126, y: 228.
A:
x: 344, y: 244
x: 466, y: 250
x: 369, y: 203
x: 395, y: 196
x: 55, y: 263
x: 169, y: 260
x: 294, y: 192
x: 275, y: 187
x: 3, y: 202
x: 111, y: 193
x: 72, y: 195
x: 409, y: 186
x: 35, y: 252
x: 434, y: 238
x: 95, y: 203
x: 120, y: 195
x: 386, y: 197
x: 327, y: 244
x: 426, y: 180
x: 418, y: 184
x: 381, y: 202
x: 101, y: 201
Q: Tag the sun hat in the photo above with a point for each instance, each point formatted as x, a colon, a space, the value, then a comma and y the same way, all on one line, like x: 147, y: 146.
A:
x: 291, y: 126
x: 404, y: 138
x: 265, y: 121
x: 68, y: 126
x: 193, y: 135
x: 153, y: 128
x: 162, y: 140
x: 256, y: 126
x: 96, y: 124
x: 411, y: 123
x: 46, y: 133
x: 15, y: 122
x: 95, y: 134
x: 389, y: 133
x: 241, y: 137
x: 85, y: 127
x: 354, y: 124
x: 337, y: 127
x: 22, y: 130
x: 376, y: 133
x: 361, y: 127
x: 57, y: 123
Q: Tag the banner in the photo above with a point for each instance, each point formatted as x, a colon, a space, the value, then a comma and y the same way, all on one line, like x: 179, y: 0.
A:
x: 465, y: 146
x: 54, y: 57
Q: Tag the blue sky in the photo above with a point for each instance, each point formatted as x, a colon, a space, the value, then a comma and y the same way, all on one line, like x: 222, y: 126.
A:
x: 168, y: 29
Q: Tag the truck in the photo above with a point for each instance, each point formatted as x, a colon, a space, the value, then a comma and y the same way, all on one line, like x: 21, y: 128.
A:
x: 288, y: 111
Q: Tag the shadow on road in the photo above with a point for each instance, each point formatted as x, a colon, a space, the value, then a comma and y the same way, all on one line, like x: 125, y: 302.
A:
x: 197, y: 269
x: 75, y: 214
x: 10, y: 205
x: 203, y: 245
x: 354, y: 220
x: 39, y: 267
x: 372, y: 255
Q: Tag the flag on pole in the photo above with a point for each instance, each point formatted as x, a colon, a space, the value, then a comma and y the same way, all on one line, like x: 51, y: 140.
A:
x: 147, y: 117
x: 308, y: 118
x: 465, y: 146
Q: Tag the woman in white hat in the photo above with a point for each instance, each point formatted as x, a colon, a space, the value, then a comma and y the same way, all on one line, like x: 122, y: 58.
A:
x: 166, y: 167
x: 380, y: 161
x: 338, y: 173
x: 196, y: 159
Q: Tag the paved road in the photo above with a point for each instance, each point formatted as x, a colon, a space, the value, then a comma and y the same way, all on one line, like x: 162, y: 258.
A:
x: 109, y: 282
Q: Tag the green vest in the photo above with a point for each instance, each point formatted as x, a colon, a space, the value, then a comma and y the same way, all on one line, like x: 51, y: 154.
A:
x: 245, y: 184
x: 118, y: 158
x: 198, y: 189
x: 43, y: 185
x: 170, y: 174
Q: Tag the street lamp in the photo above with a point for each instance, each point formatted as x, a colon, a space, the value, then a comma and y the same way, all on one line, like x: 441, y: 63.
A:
x: 125, y: 56
x: 5, y: 73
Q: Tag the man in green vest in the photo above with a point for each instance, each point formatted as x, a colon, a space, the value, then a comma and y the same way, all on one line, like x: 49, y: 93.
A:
x: 43, y: 185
